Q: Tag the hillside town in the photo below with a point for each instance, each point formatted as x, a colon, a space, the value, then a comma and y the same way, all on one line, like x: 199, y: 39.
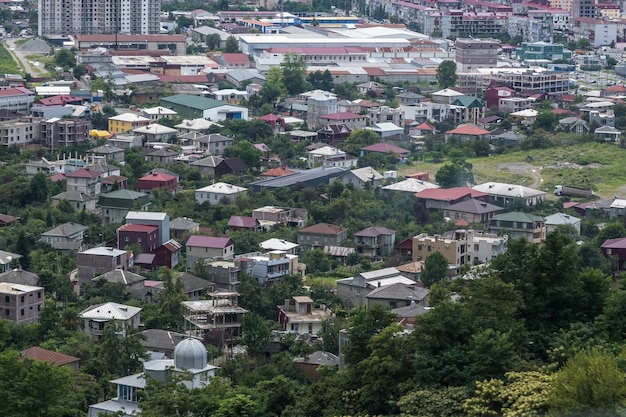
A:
x: 398, y: 208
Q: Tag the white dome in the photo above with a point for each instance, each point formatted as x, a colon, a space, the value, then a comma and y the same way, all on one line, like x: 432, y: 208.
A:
x: 190, y: 354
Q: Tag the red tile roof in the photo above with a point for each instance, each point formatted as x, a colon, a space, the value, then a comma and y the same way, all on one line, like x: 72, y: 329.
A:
x: 138, y: 228
x: 468, y: 129
x: 615, y: 89
x: 424, y: 126
x: 270, y: 118
x: 444, y: 194
x: 236, y: 58
x: 39, y: 354
x: 323, y: 229
x: 16, y: 92
x: 243, y: 221
x: 209, y: 241
x: 278, y: 172
x: 59, y: 100
x: 619, y: 243
x: 84, y: 173
x: 157, y: 176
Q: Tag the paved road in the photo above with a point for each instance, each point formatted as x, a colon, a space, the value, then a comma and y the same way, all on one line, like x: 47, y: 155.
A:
x: 19, y: 57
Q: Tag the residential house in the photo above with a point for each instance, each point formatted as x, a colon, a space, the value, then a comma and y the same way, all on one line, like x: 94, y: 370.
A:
x: 515, y: 104
x: 163, y: 157
x: 234, y: 60
x: 36, y: 353
x: 161, y: 341
x: 244, y: 223
x: 21, y: 303
x: 85, y: 180
x: 615, y: 251
x: 353, y: 291
x: 320, y: 235
x: 219, y: 193
x: 155, y: 133
x: 114, y: 206
x: 375, y: 241
x: 207, y: 247
x: 361, y: 178
x: 168, y: 254
x: 108, y: 152
x: 6, y: 220
x: 385, y: 148
x: 302, y: 317
x: 127, y: 122
x: 19, y: 276
x: 239, y: 77
x: 198, y: 125
x: 445, y: 96
x: 519, y: 225
x: 208, y: 165
x: 181, y: 226
x: 502, y: 193
x: 157, y: 113
x: 209, y: 144
x: 268, y: 268
x: 508, y: 138
x: 190, y: 362
x: 386, y: 129
x: 349, y: 119
x: 232, y: 165
x: 274, y: 244
x: 333, y: 133
x: 222, y: 312
x: 467, y: 132
x: 472, y: 211
x: 608, y: 134
x: 494, y: 93
x: 329, y: 156
x: 99, y: 260
x: 422, y: 129
x: 442, y: 198
x: 555, y: 220
x: 146, y: 236
x: 195, y: 288
x: 311, y: 364
x: 272, y: 216
x: 470, y: 109
x: 617, y: 208
x: 398, y: 295
x: 134, y: 284
x: 311, y: 177
x: 78, y: 201
x: 7, y: 259
x: 157, y: 180
x: 159, y: 219
x: 224, y: 273
x: 459, y: 247
x: 68, y: 236
x: 410, y: 185
x: 277, y: 123
x: 96, y: 317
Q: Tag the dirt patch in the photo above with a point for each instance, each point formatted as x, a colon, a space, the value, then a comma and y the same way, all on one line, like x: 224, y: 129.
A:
x: 526, y: 169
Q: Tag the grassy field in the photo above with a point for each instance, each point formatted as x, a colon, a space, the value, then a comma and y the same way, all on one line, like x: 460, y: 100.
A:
x: 7, y: 64
x: 593, y: 165
x: 41, y: 70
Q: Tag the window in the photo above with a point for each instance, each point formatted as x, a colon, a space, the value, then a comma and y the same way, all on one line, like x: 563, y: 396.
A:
x: 22, y: 299
x: 21, y: 312
x: 310, y: 328
x: 476, y: 247
x: 7, y: 312
x: 8, y: 299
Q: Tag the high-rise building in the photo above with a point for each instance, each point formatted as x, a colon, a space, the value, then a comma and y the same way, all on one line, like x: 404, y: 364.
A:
x: 583, y: 8
x: 95, y: 17
x: 476, y: 53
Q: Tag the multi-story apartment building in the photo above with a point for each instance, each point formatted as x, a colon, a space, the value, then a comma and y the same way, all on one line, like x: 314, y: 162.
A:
x: 386, y: 114
x: 100, y: 260
x: 476, y: 53
x: 90, y: 17
x: 19, y: 132
x: 56, y: 132
x: 86, y: 181
x: 281, y: 216
x: 609, y: 10
x: 459, y: 247
x: 583, y: 8
x: 268, y: 268
x: 531, y: 29
x: 460, y: 24
x: 519, y: 225
x: 18, y: 99
x: 599, y: 32
x: 551, y: 82
x: 21, y: 303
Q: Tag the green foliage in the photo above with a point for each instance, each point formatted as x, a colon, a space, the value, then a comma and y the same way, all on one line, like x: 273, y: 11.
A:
x: 7, y: 63
x: 293, y: 69
x: 455, y: 174
x: 316, y: 261
x: 256, y: 334
x: 231, y: 46
x: 358, y: 139
x: 442, y: 402
x: 435, y: 269
x: 321, y: 80
x: 446, y: 74
x: 590, y: 383
x: 545, y: 120
x: 248, y: 153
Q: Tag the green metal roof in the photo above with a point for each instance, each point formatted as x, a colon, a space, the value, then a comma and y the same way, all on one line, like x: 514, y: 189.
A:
x: 195, y: 102
x: 124, y: 194
x: 467, y: 101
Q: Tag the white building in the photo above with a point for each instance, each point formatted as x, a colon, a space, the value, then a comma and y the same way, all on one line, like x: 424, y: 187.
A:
x: 158, y: 113
x: 505, y: 193
x: 96, y: 317
x: 555, y: 220
x: 218, y: 193
x: 302, y: 316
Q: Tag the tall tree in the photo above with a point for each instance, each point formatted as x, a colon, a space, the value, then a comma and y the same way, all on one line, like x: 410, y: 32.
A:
x: 256, y: 334
x: 293, y: 69
x: 455, y: 174
x: 231, y: 46
x: 435, y: 269
x: 248, y: 153
x: 446, y: 74
x: 273, y: 88
x: 171, y: 309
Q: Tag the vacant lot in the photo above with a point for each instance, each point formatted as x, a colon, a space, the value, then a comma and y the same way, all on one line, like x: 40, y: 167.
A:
x: 7, y: 64
x: 600, y: 167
